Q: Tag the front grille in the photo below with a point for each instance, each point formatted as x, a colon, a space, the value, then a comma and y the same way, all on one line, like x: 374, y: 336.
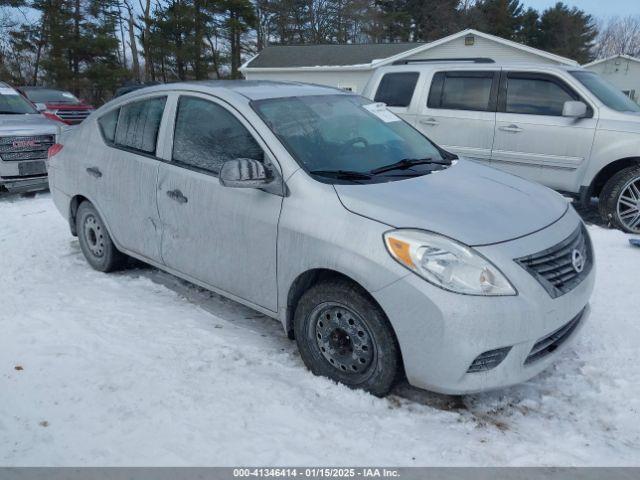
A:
x: 561, y: 268
x: 15, y: 149
x: 550, y: 343
x: 488, y: 360
x: 73, y: 116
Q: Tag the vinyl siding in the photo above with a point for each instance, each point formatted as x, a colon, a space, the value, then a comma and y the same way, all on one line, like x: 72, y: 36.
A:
x: 355, y: 80
x: 482, y: 47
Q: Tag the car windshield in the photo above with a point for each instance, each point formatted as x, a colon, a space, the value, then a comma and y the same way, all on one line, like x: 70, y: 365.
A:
x: 347, y: 134
x: 46, y: 95
x: 12, y: 103
x: 606, y: 92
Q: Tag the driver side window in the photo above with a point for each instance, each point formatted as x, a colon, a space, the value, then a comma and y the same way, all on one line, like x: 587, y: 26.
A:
x: 207, y: 135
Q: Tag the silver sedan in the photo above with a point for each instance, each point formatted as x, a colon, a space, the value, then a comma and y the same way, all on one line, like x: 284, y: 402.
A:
x: 382, y: 254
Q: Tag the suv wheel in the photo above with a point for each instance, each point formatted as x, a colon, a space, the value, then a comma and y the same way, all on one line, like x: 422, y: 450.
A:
x: 620, y: 200
x: 342, y: 334
x: 95, y: 242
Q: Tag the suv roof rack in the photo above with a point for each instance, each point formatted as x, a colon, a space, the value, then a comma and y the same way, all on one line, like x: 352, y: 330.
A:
x: 441, y: 60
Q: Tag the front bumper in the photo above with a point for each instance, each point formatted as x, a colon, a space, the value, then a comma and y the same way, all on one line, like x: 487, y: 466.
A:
x: 441, y: 333
x: 13, y: 181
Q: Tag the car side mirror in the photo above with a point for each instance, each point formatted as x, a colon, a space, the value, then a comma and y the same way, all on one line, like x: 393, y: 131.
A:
x: 245, y: 173
x: 574, y: 109
x: 41, y: 107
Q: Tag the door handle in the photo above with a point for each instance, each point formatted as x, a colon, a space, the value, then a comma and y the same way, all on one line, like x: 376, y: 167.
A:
x: 177, y: 196
x: 511, y: 129
x: 429, y: 121
x: 94, y: 172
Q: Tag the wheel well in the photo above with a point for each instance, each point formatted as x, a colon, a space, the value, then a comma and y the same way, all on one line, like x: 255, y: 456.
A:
x: 305, y: 281
x: 75, y: 203
x: 609, y: 171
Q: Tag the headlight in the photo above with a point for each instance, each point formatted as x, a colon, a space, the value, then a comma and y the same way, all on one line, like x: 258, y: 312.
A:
x: 446, y: 263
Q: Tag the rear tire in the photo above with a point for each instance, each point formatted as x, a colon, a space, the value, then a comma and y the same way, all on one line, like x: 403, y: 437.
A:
x: 95, y: 242
x: 620, y: 200
x: 343, y: 335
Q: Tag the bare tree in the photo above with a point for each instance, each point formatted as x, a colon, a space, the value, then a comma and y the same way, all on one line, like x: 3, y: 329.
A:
x: 133, y: 44
x: 618, y: 36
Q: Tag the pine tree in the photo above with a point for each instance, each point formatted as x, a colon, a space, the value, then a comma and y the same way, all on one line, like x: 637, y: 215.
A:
x: 433, y: 19
x: 394, y: 21
x: 569, y: 32
x: 499, y: 17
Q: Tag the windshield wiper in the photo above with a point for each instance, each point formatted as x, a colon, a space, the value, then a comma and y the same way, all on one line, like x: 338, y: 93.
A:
x: 12, y: 113
x: 406, y: 163
x: 342, y: 174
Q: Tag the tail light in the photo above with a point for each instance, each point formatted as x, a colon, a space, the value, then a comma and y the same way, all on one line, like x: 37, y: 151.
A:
x: 54, y: 150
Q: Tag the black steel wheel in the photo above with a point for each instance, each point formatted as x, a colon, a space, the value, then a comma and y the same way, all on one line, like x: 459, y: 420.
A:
x: 344, y: 335
x: 95, y: 242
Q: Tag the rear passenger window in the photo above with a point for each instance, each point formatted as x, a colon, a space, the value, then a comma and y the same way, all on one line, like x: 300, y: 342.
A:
x: 108, y: 124
x: 207, y: 135
x: 138, y: 125
x: 536, y: 96
x: 396, y: 89
x: 462, y: 91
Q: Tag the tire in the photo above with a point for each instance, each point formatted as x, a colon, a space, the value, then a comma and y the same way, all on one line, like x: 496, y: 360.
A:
x: 95, y: 242
x: 617, y: 197
x: 343, y: 335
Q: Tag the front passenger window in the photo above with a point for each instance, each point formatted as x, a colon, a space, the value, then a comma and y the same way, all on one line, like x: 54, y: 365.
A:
x: 207, y: 135
x: 536, y: 96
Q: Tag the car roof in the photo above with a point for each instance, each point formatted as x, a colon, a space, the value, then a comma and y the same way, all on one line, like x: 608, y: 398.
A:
x: 470, y: 65
x: 249, y: 89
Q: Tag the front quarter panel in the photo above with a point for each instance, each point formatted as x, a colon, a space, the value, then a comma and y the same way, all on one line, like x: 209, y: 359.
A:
x: 614, y: 140
x: 317, y: 232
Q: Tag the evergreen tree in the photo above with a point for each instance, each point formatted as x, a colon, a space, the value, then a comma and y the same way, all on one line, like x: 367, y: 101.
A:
x: 394, y: 21
x: 502, y: 18
x: 433, y: 19
x: 529, y: 33
x: 569, y: 32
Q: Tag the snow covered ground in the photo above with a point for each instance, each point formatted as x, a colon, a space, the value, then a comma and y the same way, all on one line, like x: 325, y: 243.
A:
x: 139, y: 368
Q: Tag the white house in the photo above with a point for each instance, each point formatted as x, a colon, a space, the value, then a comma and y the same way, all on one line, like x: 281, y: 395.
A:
x: 621, y: 70
x: 350, y: 66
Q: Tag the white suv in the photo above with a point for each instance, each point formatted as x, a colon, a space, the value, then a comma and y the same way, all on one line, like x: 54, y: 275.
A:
x: 564, y: 127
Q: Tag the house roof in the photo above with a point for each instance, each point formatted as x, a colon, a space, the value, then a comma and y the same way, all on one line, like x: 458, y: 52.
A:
x: 613, y: 57
x: 365, y: 56
x: 284, y: 56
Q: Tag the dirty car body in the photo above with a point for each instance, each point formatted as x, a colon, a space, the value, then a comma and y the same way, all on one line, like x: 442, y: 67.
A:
x: 482, y: 277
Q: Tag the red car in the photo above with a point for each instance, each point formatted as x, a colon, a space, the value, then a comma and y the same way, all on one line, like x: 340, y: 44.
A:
x: 57, y: 105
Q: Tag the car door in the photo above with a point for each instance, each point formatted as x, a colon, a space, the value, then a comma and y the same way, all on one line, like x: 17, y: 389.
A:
x: 532, y: 138
x: 220, y: 236
x: 459, y: 112
x: 123, y: 176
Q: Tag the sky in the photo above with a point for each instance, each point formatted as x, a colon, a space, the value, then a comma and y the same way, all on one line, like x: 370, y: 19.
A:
x: 597, y: 8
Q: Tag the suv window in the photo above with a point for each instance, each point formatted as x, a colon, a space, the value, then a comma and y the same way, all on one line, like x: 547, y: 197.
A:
x: 396, y: 89
x: 207, y: 135
x: 536, y: 95
x: 138, y: 125
x: 462, y: 91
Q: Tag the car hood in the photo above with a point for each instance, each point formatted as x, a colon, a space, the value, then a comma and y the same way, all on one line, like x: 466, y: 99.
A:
x: 468, y: 202
x: 27, y: 125
x: 68, y: 106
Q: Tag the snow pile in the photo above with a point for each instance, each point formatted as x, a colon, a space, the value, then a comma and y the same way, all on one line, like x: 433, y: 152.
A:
x: 139, y: 368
